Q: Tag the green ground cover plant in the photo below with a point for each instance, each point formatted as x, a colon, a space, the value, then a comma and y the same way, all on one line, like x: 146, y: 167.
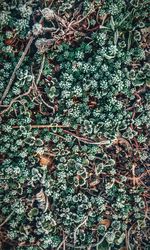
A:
x: 75, y: 119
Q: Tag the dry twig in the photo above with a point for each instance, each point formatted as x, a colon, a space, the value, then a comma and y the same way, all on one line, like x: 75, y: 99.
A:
x: 85, y: 246
x: 37, y: 81
x: 87, y: 141
x: 16, y: 100
x: 76, y: 229
x: 44, y: 126
x: 62, y: 243
x: 16, y: 68
x: 8, y: 217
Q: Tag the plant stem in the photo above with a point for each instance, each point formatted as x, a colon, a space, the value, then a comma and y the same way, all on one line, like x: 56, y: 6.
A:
x: 16, y: 68
x: 44, y: 126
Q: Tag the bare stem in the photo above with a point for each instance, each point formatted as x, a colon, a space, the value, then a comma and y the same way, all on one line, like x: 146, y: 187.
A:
x: 16, y: 68
x: 62, y: 243
x: 44, y: 126
x: 75, y: 231
x: 8, y: 217
x: 41, y: 69
x: 85, y: 246
x: 16, y: 99
x: 37, y: 81
x: 87, y: 141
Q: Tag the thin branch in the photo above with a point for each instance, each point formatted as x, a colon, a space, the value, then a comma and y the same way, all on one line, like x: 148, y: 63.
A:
x: 16, y: 100
x: 63, y: 22
x: 50, y: 5
x: 85, y: 246
x: 44, y: 126
x: 47, y: 105
x: 41, y: 69
x: 16, y: 68
x: 48, y: 29
x: 37, y: 81
x: 128, y: 237
x: 133, y: 174
x: 83, y: 18
x: 62, y: 243
x: 60, y: 136
x: 8, y: 217
x: 87, y: 141
x: 76, y: 229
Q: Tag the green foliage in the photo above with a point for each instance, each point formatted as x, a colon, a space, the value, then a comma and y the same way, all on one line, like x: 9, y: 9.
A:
x: 75, y: 121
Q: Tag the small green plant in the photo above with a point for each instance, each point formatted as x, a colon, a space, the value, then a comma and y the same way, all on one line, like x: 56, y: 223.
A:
x: 75, y: 112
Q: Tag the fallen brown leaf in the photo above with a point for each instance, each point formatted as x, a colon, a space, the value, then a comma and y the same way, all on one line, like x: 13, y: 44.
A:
x: 105, y: 222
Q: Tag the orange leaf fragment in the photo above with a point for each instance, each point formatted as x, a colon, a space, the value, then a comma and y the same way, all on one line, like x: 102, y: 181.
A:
x: 94, y: 183
x: 105, y: 222
x: 9, y: 41
x: 44, y: 161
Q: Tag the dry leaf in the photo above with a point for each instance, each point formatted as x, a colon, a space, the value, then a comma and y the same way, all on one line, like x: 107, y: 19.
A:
x: 9, y: 41
x: 42, y: 200
x: 94, y: 183
x: 44, y: 161
x: 105, y: 222
x: 40, y: 197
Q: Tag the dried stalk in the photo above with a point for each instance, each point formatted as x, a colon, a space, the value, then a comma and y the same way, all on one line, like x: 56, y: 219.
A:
x: 62, y: 243
x: 87, y: 141
x: 76, y: 229
x: 16, y: 100
x: 85, y: 246
x: 16, y: 68
x: 41, y: 69
x: 8, y: 217
x: 37, y: 81
x: 44, y: 126
x: 133, y: 174
x: 128, y: 237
